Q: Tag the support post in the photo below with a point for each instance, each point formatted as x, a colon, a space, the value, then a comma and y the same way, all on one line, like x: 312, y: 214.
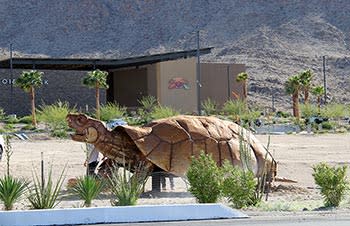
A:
x: 198, y: 78
x: 324, y: 79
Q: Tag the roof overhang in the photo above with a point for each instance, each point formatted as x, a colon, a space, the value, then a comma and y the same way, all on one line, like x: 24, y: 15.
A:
x: 97, y: 63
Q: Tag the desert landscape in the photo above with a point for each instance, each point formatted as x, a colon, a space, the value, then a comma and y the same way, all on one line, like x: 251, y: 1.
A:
x: 295, y: 154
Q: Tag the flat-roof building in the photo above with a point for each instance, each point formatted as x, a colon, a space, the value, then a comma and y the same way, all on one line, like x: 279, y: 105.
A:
x: 170, y: 77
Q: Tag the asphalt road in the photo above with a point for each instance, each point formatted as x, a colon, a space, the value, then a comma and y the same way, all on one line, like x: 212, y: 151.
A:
x: 327, y: 220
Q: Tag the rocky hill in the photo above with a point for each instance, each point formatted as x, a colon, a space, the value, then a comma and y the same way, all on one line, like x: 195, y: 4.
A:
x: 274, y: 38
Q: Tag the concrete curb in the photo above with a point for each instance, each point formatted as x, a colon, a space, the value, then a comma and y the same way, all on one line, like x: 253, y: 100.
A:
x: 125, y: 214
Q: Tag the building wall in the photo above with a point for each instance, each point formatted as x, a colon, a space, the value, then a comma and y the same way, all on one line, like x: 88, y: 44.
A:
x: 58, y: 85
x: 219, y: 81
x: 182, y: 72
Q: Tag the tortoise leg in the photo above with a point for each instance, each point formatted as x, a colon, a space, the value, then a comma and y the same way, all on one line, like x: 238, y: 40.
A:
x: 156, y: 176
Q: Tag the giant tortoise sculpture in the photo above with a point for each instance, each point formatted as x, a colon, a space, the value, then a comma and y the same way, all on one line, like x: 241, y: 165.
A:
x: 168, y: 144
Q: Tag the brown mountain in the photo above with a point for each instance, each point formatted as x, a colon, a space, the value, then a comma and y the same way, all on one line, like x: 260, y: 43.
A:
x: 274, y: 38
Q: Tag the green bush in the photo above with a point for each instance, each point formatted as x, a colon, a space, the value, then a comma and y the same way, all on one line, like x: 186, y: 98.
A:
x: 11, y: 189
x: 2, y: 114
x: 205, y: 179
x: 148, y: 103
x: 239, y: 186
x: 55, y: 116
x: 160, y: 112
x: 332, y: 181
x: 25, y: 119
x: 308, y: 110
x: 112, y: 111
x: 11, y: 119
x: 327, y: 125
x: 209, y: 106
x: 334, y: 111
x: 127, y: 187
x: 44, y: 196
x: 87, y: 188
x: 235, y: 108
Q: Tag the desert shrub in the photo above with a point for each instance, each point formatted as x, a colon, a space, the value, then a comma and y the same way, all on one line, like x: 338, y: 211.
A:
x: 11, y: 189
x: 9, y: 127
x: 327, y: 125
x: 87, y: 188
x: 2, y: 114
x: 283, y: 114
x: 11, y: 119
x: 205, y: 178
x: 44, y: 195
x: 235, y: 108
x: 59, y: 133
x: 55, y: 116
x: 334, y: 111
x: 209, y: 106
x: 148, y: 103
x: 160, y: 112
x: 127, y: 187
x: 332, y: 181
x: 308, y: 110
x: 29, y: 127
x: 239, y: 186
x: 112, y: 111
x: 25, y: 119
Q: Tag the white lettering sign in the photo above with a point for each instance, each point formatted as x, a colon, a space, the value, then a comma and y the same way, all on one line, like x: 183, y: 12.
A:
x: 8, y: 81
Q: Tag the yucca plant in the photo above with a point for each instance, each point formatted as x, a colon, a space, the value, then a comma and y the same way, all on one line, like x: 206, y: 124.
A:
x: 44, y: 196
x: 127, y: 187
x: 88, y: 188
x: 148, y: 103
x: 11, y: 189
x: 209, y: 106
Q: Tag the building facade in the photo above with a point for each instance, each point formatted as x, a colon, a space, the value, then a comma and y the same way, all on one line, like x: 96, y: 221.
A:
x: 173, y: 81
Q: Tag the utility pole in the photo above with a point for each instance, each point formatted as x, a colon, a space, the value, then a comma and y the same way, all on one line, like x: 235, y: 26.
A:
x: 11, y: 81
x: 324, y: 79
x: 198, y: 78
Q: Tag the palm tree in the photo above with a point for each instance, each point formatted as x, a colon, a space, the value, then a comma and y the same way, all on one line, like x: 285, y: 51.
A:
x: 319, y: 92
x: 305, y: 80
x: 96, y: 79
x: 28, y: 81
x: 243, y: 77
x: 292, y: 87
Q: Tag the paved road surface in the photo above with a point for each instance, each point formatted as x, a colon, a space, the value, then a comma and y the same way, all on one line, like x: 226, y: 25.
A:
x: 331, y: 220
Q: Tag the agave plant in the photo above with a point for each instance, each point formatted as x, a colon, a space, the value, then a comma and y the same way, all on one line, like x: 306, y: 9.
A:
x: 44, y: 196
x: 11, y: 189
x: 127, y: 187
x: 88, y: 188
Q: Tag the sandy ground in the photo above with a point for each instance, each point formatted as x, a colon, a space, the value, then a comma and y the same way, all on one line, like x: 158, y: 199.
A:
x: 296, y: 154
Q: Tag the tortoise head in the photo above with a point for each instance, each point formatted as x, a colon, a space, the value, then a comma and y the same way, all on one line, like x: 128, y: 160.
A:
x: 86, y: 128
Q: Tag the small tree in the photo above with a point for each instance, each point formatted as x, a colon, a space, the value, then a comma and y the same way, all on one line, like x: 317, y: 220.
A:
x: 28, y: 81
x: 242, y: 78
x: 292, y: 87
x: 96, y: 79
x: 305, y: 81
x: 318, y: 91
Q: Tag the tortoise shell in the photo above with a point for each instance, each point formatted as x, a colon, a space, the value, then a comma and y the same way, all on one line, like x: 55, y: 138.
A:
x: 169, y: 143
